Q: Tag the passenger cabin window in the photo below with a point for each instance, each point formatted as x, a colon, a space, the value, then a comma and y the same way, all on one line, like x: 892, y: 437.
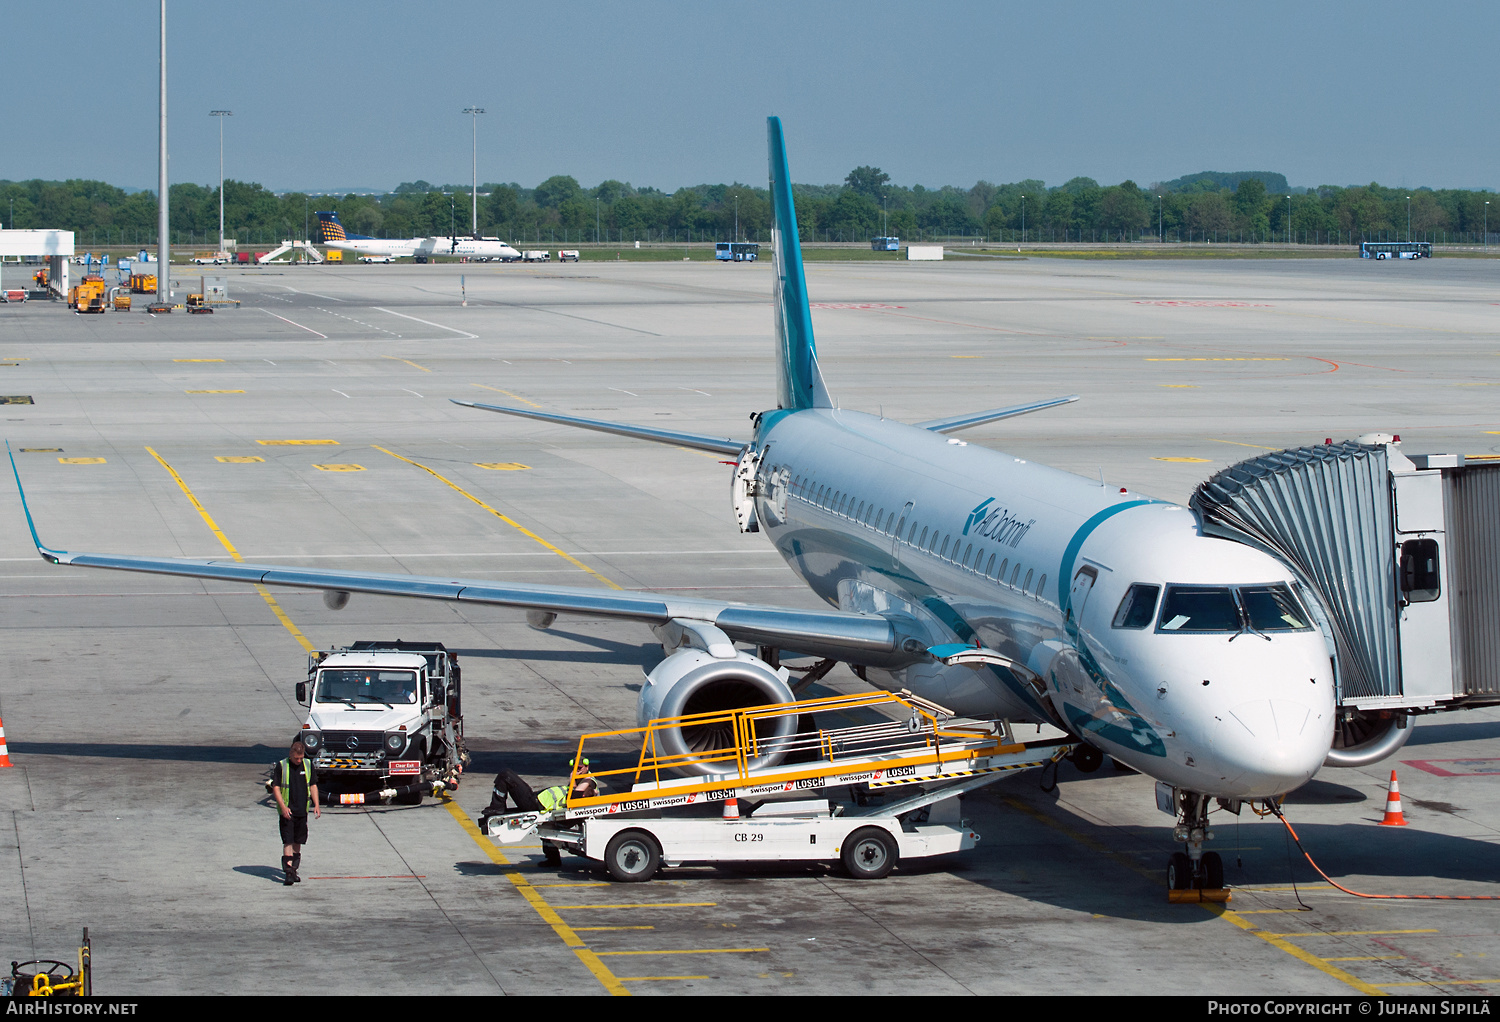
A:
x: 1420, y: 580
x: 923, y: 541
x: 1138, y: 607
x: 944, y: 551
x: 1041, y: 586
x: 990, y: 570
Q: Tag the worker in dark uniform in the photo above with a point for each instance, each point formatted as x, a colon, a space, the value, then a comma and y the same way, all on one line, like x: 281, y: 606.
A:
x: 294, y: 783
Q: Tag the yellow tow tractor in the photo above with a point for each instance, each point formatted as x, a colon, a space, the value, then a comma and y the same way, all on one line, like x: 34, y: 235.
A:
x: 87, y: 295
x: 45, y: 977
x: 143, y: 283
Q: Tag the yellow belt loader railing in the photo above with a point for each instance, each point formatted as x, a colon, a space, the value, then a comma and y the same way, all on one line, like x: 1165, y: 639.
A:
x: 922, y: 739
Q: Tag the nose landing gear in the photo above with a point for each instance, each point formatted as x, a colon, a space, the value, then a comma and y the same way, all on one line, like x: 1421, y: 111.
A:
x: 1193, y: 874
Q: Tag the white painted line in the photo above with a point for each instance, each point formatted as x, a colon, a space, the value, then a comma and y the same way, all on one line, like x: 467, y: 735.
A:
x: 337, y: 391
x: 461, y: 333
x: 411, y: 392
x: 619, y: 391
x: 299, y: 326
x: 313, y: 293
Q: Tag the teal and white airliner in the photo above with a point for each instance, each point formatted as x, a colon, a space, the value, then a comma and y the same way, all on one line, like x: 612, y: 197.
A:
x: 989, y: 584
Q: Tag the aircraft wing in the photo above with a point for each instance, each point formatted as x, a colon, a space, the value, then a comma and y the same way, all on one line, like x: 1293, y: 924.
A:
x: 833, y: 633
x: 816, y: 632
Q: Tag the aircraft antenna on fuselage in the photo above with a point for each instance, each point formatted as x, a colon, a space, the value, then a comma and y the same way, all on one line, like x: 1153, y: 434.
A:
x: 799, y: 383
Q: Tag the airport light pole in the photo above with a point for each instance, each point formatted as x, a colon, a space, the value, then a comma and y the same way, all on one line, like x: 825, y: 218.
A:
x: 1160, y: 236
x: 1408, y: 218
x: 1288, y: 219
x: 221, y: 114
x: 474, y: 112
x: 163, y: 248
x: 1486, y: 227
x: 1023, y: 219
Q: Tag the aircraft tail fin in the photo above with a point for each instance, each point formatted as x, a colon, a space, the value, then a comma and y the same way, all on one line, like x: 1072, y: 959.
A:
x: 332, y: 229
x: 328, y: 222
x: 799, y: 382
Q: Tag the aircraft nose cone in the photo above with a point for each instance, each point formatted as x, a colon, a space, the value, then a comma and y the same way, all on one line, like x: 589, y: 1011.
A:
x: 1270, y: 746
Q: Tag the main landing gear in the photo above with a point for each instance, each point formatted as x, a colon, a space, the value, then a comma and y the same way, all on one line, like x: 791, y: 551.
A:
x: 1193, y: 874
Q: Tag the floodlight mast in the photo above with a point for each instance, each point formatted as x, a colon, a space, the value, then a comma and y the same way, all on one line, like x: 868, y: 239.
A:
x: 221, y: 114
x: 163, y: 247
x: 474, y: 112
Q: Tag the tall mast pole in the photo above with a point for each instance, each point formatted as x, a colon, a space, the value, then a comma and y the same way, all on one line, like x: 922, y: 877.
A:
x: 163, y: 248
x: 474, y: 112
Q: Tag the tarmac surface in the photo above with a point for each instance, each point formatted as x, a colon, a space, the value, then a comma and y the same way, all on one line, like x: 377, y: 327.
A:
x: 142, y: 712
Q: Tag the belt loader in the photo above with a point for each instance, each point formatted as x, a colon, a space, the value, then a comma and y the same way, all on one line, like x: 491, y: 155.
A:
x: 867, y: 796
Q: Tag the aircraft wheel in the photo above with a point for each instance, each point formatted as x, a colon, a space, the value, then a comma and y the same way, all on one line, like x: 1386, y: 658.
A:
x: 1179, y: 872
x: 632, y: 856
x: 1087, y: 758
x: 1213, y: 870
x: 869, y: 854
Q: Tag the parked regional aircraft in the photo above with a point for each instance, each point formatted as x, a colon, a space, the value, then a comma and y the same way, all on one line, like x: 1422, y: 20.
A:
x: 421, y: 249
x: 983, y: 582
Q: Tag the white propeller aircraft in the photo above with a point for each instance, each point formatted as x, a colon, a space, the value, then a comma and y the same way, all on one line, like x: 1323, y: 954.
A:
x: 988, y: 584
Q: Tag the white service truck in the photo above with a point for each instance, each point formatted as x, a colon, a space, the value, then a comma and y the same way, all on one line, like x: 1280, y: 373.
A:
x: 536, y: 256
x: 385, y: 720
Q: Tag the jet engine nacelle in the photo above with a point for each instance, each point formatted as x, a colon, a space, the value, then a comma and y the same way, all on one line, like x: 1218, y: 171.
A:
x: 691, y: 681
x: 1362, y: 740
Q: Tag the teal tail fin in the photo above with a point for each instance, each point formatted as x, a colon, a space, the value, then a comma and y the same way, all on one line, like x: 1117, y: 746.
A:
x: 799, y: 383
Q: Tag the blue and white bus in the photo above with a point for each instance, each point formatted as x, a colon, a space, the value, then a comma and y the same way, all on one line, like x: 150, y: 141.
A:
x: 1395, y: 250
x: 737, y: 251
x: 885, y: 244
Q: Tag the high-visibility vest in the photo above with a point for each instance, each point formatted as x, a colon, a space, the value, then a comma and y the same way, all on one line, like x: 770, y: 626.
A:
x: 286, y: 780
x: 551, y: 798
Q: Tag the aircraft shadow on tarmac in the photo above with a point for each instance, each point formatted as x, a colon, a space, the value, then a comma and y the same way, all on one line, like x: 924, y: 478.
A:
x: 1075, y: 864
x: 1437, y: 734
x: 260, y: 755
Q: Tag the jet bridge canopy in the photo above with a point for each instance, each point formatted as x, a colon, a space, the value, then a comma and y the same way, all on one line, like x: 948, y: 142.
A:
x: 1402, y: 556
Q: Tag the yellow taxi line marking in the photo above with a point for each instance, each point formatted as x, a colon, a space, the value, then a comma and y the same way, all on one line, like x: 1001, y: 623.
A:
x: 704, y: 454
x: 534, y: 898
x: 655, y: 979
x: 1276, y: 941
x: 1216, y: 909
x: 582, y: 929
x: 1258, y: 447
x: 239, y: 459
x: 1443, y: 983
x: 81, y: 461
x: 657, y: 904
x: 504, y: 518
x: 1348, y: 933
x: 1179, y: 386
x: 408, y: 361
x: 693, y: 951
x: 507, y: 393
x: 213, y: 527
x: 296, y: 443
x: 595, y: 884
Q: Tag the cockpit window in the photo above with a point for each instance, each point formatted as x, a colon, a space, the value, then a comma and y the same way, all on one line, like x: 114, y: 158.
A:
x: 1199, y: 609
x: 1273, y: 609
x: 1138, y: 606
x: 1258, y: 609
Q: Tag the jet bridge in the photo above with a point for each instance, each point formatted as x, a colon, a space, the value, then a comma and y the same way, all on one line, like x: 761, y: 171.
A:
x: 1401, y: 556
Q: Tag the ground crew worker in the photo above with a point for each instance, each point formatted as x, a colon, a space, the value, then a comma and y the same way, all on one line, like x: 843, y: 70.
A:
x: 508, y: 785
x: 294, y: 783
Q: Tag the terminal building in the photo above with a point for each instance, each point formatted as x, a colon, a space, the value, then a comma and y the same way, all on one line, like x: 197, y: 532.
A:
x: 52, y: 249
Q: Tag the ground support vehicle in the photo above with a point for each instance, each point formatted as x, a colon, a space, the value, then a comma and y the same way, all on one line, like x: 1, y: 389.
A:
x: 567, y: 255
x: 143, y: 283
x: 866, y: 796
x: 385, y: 721
x: 87, y: 295
x: 536, y: 256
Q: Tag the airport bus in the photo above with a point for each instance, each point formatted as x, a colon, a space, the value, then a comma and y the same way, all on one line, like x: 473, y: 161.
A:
x: 1395, y: 250
x: 885, y: 244
x: 737, y: 251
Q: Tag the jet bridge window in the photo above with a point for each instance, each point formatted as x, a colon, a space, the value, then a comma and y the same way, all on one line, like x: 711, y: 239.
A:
x: 1420, y: 580
x: 1138, y: 607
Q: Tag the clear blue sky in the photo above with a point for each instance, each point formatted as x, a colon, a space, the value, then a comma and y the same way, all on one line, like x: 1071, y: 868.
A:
x: 370, y: 94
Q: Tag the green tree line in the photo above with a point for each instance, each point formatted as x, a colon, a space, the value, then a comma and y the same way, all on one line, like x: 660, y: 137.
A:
x: 1194, y: 208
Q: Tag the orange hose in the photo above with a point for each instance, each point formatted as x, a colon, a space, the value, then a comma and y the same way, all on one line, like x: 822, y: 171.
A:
x: 1389, y: 897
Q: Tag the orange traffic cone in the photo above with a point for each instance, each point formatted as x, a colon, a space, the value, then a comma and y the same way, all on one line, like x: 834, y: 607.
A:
x: 1393, y: 817
x: 732, y: 809
x: 4, y: 749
